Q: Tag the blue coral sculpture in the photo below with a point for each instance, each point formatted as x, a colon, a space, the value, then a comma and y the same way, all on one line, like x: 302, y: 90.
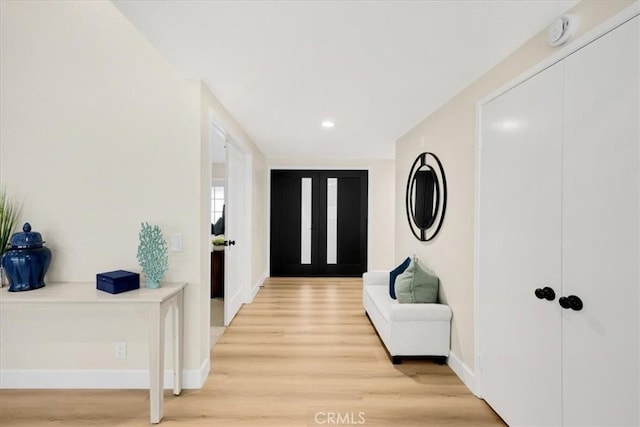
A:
x: 152, y: 254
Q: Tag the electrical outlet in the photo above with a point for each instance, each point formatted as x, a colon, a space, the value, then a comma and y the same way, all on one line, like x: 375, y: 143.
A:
x: 121, y: 350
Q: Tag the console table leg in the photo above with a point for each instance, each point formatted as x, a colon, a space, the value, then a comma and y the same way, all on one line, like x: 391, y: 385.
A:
x: 156, y: 363
x: 178, y: 319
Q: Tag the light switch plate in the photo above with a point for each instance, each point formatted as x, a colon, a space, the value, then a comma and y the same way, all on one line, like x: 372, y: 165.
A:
x: 176, y: 242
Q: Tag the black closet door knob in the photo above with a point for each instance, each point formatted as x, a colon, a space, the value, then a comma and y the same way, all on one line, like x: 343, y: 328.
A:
x: 575, y: 302
x: 571, y: 302
x: 229, y: 242
x: 545, y: 293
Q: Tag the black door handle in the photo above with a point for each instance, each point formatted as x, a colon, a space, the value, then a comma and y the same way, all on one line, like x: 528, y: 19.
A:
x: 545, y: 293
x: 229, y: 242
x: 571, y: 302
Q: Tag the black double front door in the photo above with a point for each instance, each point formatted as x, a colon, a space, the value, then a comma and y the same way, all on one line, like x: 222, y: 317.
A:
x: 319, y: 222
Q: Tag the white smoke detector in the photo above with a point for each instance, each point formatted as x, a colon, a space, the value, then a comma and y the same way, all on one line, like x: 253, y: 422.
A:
x: 561, y: 29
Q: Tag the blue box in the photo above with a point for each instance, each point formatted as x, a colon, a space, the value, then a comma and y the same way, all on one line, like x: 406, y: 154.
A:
x: 118, y: 281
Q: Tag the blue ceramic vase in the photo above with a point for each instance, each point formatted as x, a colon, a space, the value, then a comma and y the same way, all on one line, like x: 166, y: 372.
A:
x: 26, y: 263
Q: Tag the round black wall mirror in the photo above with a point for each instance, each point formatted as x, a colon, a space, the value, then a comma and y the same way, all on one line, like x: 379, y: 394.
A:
x: 426, y: 197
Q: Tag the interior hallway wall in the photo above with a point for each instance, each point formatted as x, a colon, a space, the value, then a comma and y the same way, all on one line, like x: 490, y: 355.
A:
x: 99, y: 133
x: 450, y: 133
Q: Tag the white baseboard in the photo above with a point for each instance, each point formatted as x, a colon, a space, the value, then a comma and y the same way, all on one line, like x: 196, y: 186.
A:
x: 202, y: 374
x: 96, y: 378
x: 462, y: 371
x: 257, y: 285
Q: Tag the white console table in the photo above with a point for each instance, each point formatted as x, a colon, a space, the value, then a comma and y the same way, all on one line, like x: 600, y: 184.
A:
x: 157, y: 303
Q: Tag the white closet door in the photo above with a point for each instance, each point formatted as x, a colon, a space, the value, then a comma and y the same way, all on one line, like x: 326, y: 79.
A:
x: 600, y: 231
x: 519, y: 251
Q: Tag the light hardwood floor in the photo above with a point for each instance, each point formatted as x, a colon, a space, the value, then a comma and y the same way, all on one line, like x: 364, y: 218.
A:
x: 303, y: 354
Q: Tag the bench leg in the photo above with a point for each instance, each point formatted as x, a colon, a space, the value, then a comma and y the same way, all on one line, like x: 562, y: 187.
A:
x: 396, y: 360
x: 440, y: 360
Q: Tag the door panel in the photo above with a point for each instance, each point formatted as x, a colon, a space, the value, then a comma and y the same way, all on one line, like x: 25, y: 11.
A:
x: 234, y: 281
x: 600, y: 231
x: 341, y: 225
x: 519, y: 251
x: 351, y: 227
x: 286, y: 223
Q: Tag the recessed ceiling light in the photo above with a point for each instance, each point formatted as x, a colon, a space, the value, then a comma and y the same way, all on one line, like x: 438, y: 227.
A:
x: 328, y: 124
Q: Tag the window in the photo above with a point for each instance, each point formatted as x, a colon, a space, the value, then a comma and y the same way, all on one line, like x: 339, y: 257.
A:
x: 305, y: 221
x: 217, y: 202
x: 332, y: 220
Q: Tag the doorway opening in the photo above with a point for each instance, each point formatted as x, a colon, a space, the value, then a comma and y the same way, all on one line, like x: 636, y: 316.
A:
x: 217, y: 204
x: 319, y: 223
x: 230, y: 207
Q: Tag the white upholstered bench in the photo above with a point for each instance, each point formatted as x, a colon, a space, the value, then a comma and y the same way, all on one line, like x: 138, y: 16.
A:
x: 406, y: 329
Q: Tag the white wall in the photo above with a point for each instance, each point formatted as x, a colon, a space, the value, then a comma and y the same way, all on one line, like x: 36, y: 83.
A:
x: 381, y: 200
x: 97, y: 134
x: 218, y: 171
x: 450, y: 133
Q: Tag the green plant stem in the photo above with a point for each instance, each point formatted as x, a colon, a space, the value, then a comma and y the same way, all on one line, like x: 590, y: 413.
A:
x: 9, y: 213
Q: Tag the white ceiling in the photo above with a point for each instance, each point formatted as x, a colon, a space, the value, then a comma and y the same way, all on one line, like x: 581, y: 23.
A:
x: 377, y: 68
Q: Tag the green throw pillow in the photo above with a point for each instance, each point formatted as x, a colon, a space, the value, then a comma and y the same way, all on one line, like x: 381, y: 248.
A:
x: 416, y: 285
